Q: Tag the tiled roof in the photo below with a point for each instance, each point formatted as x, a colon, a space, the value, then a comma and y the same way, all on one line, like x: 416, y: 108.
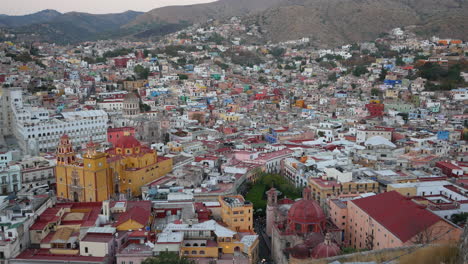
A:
x: 398, y: 214
x: 137, y: 211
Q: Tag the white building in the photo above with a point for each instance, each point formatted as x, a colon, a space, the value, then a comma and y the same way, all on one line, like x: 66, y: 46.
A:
x: 364, y: 134
x: 9, y: 98
x: 36, y: 135
x: 10, y: 179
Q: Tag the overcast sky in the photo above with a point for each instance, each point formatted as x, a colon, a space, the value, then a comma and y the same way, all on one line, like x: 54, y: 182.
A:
x: 21, y: 7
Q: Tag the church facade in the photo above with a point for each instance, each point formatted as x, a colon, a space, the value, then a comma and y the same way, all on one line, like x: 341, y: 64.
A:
x: 98, y: 176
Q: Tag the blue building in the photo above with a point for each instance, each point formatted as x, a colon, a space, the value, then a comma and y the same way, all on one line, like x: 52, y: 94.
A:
x: 443, y: 135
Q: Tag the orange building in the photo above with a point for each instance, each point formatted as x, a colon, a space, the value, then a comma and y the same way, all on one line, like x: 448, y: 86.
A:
x: 390, y: 220
x: 237, y: 213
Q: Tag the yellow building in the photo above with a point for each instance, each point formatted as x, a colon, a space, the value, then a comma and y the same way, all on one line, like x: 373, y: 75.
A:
x: 323, y: 189
x: 230, y: 117
x: 391, y: 93
x: 237, y: 213
x: 403, y: 188
x: 98, y: 176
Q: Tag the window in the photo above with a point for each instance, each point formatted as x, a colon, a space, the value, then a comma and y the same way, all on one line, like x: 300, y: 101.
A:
x: 202, y: 252
x: 86, y: 249
x: 298, y: 227
x: 194, y: 252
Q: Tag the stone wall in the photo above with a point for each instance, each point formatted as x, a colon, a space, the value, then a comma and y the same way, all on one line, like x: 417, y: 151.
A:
x: 463, y: 248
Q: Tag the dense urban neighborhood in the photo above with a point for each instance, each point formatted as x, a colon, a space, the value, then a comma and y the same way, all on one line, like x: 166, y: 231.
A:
x: 206, y: 146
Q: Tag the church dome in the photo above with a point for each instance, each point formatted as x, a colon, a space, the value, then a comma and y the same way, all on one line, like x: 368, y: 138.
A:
x: 300, y: 251
x: 326, y: 249
x: 127, y: 141
x: 306, y: 212
x: 313, y: 239
x: 130, y: 98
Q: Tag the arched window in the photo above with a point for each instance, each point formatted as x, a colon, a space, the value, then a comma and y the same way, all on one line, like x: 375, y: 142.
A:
x: 187, y: 245
x: 298, y: 227
x: 202, y: 252
x: 194, y: 252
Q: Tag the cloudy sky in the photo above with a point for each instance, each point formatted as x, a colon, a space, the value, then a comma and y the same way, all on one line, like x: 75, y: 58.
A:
x: 21, y: 7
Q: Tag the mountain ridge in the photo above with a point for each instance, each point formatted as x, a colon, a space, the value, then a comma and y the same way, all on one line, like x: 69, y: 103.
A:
x: 73, y: 27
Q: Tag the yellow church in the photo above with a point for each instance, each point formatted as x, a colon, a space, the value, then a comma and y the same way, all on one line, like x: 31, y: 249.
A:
x: 98, y: 176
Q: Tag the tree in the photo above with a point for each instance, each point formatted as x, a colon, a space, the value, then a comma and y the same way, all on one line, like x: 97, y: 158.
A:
x: 459, y: 219
x: 375, y: 92
x: 216, y: 38
x: 399, y: 61
x: 183, y: 76
x: 167, y: 138
x: 168, y: 258
x: 360, y: 70
x: 431, y: 71
x: 332, y: 77
x: 262, y: 79
x: 277, y: 52
x: 141, y: 72
x: 383, y: 74
x: 145, y: 107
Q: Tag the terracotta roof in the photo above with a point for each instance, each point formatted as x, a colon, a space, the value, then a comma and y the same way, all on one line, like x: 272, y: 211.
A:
x: 305, y: 212
x: 325, y: 250
x: 139, y: 212
x: 399, y: 215
x: 127, y: 142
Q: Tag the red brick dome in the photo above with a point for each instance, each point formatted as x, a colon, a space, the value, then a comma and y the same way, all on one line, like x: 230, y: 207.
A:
x: 306, y: 212
x: 326, y: 249
x: 300, y: 251
x: 127, y: 142
x: 313, y: 239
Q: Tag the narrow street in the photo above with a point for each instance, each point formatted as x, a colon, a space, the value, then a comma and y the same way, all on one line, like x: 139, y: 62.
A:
x: 264, y: 245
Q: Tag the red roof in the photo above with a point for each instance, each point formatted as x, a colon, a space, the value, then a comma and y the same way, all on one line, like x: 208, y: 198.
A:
x: 398, y: 214
x: 448, y: 165
x: 306, y: 212
x: 127, y: 142
x: 325, y: 250
x: 45, y: 255
x: 138, y: 211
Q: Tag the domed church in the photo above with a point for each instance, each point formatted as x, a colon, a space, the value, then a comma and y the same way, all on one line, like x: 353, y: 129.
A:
x: 299, y: 229
x: 100, y: 175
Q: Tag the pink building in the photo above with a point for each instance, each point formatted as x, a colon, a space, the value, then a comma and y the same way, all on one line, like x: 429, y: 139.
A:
x: 389, y: 220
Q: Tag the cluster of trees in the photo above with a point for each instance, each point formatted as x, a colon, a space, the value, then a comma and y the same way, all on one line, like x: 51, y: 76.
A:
x: 222, y: 65
x: 23, y: 57
x: 330, y: 57
x: 442, y: 78
x: 117, y: 53
x: 168, y: 258
x: 173, y: 50
x: 459, y: 219
x: 91, y: 60
x: 245, y: 58
x: 277, y: 52
x: 216, y: 38
x: 360, y: 70
x: 257, y: 191
x: 141, y: 72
